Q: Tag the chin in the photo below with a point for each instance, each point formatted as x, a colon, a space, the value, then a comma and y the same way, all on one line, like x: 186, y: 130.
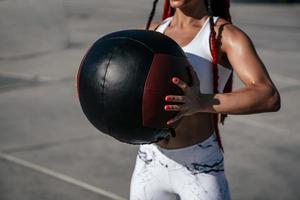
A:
x: 182, y: 3
x: 177, y: 3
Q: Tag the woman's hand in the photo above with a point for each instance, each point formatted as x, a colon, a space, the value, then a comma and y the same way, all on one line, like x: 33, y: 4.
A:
x: 188, y: 104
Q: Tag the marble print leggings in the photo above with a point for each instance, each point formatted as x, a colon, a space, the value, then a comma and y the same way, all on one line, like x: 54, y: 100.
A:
x: 191, y: 173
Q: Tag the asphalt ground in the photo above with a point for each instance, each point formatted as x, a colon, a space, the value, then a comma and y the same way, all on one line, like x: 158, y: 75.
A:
x: 48, y: 149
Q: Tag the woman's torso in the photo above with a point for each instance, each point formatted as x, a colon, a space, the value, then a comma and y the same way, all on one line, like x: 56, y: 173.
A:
x: 198, y: 127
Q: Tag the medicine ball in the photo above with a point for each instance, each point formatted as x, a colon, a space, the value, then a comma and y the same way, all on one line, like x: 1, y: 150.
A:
x: 123, y: 80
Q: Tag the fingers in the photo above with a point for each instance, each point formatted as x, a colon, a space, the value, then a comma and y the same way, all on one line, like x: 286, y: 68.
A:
x: 176, y: 118
x: 172, y: 107
x: 181, y: 84
x: 175, y: 98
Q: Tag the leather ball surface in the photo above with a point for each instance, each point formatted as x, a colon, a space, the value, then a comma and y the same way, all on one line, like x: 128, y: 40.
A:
x: 123, y: 80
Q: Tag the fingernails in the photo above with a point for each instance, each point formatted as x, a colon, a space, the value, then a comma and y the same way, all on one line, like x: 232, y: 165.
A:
x: 175, y: 80
x: 167, y: 107
x: 167, y: 98
x: 168, y: 122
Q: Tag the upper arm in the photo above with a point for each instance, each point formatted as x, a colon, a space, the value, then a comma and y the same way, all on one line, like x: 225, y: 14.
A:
x: 243, y: 58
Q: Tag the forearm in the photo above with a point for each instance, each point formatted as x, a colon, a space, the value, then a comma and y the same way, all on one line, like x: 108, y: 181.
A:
x: 243, y: 101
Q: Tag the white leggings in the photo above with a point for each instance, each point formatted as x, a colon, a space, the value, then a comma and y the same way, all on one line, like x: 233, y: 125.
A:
x: 191, y: 173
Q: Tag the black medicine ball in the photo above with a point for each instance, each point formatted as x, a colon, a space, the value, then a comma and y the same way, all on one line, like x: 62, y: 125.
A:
x: 123, y: 80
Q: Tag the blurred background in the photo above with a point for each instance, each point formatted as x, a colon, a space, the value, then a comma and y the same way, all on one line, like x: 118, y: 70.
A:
x: 48, y: 149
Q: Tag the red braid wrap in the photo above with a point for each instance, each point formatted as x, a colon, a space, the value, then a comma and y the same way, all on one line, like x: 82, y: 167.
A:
x: 213, y: 49
x: 168, y: 11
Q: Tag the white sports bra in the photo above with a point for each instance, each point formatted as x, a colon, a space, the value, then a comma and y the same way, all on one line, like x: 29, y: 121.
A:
x: 199, y: 55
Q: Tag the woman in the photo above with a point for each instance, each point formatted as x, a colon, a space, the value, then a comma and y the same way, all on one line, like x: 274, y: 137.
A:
x: 190, y: 165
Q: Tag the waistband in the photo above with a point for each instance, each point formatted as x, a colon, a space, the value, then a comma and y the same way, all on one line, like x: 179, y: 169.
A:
x: 206, y: 151
x: 211, y: 140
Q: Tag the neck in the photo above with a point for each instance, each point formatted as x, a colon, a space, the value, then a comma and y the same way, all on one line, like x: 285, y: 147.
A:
x: 190, y: 15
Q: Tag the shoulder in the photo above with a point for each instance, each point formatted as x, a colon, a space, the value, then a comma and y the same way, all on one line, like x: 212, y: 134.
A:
x: 230, y: 35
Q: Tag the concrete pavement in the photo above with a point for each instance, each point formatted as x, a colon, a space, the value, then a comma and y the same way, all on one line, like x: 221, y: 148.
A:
x: 48, y: 149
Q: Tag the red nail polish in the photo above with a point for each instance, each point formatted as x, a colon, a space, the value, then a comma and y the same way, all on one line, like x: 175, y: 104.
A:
x: 167, y: 98
x: 167, y: 107
x: 175, y: 80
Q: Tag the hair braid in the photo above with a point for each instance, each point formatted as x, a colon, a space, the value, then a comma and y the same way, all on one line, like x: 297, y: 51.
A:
x: 221, y: 9
x: 168, y: 11
x: 151, y: 14
x: 214, y: 53
x: 228, y: 85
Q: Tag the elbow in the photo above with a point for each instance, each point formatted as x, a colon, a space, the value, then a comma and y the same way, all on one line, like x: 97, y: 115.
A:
x: 274, y: 100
